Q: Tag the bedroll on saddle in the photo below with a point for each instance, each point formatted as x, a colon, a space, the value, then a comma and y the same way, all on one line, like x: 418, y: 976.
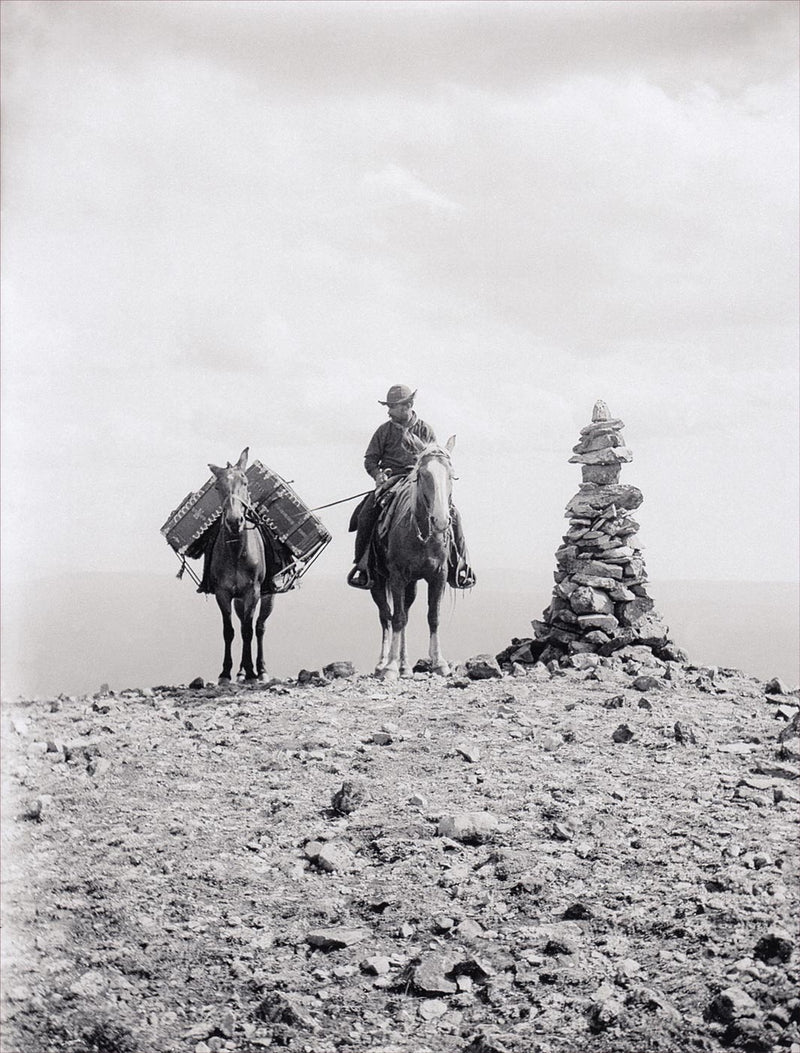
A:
x: 286, y: 522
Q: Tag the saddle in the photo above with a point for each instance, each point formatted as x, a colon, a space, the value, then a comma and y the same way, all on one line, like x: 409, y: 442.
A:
x: 278, y: 555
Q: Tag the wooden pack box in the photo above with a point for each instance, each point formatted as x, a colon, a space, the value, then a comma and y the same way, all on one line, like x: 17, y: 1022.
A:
x: 286, y: 516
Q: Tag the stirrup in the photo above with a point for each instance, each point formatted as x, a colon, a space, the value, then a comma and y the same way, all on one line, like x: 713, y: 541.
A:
x: 359, y: 578
x: 465, y: 579
x: 461, y: 576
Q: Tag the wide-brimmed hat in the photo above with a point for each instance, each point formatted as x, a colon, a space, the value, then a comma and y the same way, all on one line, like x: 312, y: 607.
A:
x: 396, y: 394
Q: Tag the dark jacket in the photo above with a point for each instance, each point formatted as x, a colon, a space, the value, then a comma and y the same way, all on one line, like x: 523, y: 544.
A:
x: 386, y: 447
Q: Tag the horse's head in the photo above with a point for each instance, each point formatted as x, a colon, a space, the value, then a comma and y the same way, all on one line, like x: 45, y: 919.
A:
x: 433, y: 476
x: 232, y: 487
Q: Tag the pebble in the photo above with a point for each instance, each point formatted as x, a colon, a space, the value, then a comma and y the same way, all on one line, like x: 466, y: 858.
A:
x: 786, y: 713
x: 335, y: 938
x: 469, y: 753
x: 347, y: 798
x: 622, y: 734
x: 468, y: 826
x: 376, y: 965
x: 32, y: 809
x: 774, y: 948
x: 469, y: 930
x: 762, y: 798
x: 684, y: 734
x: 645, y: 683
x: 98, y: 766
x: 730, y: 1004
x: 627, y: 969
x: 432, y: 1009
x: 430, y: 975
x: 551, y: 741
x: 561, y: 832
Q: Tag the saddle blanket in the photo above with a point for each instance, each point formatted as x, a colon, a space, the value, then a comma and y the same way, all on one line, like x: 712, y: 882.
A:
x: 285, y: 515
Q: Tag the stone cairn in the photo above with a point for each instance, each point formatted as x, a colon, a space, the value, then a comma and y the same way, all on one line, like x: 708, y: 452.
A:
x: 600, y: 602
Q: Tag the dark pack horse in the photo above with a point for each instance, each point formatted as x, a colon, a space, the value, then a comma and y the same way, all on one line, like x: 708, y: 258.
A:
x: 240, y: 573
x: 413, y: 545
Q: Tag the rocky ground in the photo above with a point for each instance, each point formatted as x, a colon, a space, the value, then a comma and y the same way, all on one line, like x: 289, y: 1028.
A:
x: 568, y: 860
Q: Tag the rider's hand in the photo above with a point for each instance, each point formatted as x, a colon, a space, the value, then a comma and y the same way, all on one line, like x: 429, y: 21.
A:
x: 381, y: 476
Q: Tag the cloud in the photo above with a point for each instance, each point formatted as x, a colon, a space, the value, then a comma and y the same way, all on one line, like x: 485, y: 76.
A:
x: 231, y: 224
x: 395, y: 185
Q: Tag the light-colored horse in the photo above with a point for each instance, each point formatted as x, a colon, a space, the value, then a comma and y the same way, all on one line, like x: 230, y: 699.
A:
x: 414, y: 547
x: 240, y: 571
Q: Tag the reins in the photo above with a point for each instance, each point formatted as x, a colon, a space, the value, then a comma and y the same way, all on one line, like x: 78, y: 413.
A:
x: 419, y: 498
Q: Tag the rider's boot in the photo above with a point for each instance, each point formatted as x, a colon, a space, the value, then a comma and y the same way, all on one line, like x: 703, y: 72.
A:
x: 359, y: 576
x: 460, y: 574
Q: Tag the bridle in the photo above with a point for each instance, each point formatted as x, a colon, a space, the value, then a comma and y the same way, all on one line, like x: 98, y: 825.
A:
x: 252, y: 519
x: 421, y: 498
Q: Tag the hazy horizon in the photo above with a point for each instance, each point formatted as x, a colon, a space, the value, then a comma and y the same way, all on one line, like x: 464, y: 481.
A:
x: 140, y: 630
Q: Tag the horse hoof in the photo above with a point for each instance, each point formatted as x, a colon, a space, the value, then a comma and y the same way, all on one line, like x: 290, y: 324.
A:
x: 223, y: 680
x: 389, y: 674
x: 442, y: 670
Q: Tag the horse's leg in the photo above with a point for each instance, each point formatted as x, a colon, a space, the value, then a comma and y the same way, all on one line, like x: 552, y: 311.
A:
x: 391, y: 670
x: 410, y: 596
x: 435, y: 591
x: 380, y: 596
x: 267, y: 603
x: 246, y: 609
x: 224, y: 603
x: 238, y: 608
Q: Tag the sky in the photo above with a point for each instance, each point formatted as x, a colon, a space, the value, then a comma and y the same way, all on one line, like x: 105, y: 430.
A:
x: 236, y: 224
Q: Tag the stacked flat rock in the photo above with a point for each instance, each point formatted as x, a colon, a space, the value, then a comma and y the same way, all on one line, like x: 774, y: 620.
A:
x: 600, y: 600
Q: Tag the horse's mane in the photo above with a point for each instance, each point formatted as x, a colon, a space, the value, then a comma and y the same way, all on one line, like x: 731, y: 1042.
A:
x: 405, y: 498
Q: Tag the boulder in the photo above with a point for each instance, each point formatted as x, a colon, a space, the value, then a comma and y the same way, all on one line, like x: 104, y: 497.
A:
x: 593, y: 499
x: 776, y: 686
x: 586, y: 600
x: 605, y: 622
x: 339, y: 670
x: 483, y: 667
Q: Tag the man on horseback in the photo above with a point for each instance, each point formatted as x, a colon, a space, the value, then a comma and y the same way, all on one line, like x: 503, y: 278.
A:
x: 389, y: 458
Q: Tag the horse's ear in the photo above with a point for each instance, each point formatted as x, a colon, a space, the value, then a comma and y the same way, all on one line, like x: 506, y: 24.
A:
x: 241, y: 464
x: 217, y: 471
x: 450, y: 444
